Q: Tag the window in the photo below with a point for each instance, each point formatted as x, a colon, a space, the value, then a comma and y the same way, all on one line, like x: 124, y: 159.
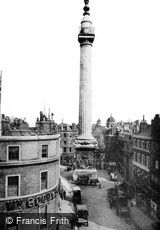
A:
x: 44, y: 150
x: 148, y: 162
x: 156, y: 165
x: 70, y: 149
x: 64, y: 149
x: 65, y: 142
x: 142, y: 144
x: 138, y: 157
x: 143, y: 159
x: 148, y: 145
x: 135, y: 142
x: 152, y: 177
x: 13, y: 153
x: 44, y: 180
x: 13, y: 186
x: 65, y: 134
x: 156, y: 179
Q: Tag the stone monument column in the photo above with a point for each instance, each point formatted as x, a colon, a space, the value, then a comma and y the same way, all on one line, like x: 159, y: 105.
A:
x: 85, y: 142
x: 85, y: 38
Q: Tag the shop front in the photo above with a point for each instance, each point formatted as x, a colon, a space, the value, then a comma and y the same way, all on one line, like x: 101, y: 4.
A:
x: 30, y: 212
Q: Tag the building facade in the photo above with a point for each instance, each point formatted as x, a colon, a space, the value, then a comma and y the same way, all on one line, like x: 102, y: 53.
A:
x: 155, y: 168
x: 98, y: 132
x: 29, y: 177
x: 46, y: 124
x: 68, y: 135
x: 125, y: 156
x: 141, y: 166
x: 112, y: 145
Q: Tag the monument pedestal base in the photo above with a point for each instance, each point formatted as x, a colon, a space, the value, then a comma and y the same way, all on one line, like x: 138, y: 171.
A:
x: 85, y: 153
x: 85, y: 158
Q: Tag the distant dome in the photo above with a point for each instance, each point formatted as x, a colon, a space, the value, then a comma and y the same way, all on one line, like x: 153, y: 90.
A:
x: 111, y: 119
x: 98, y: 122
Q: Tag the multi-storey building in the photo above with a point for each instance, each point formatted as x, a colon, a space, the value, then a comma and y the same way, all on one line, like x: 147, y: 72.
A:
x: 98, y: 132
x: 135, y: 149
x: 112, y: 144
x: 46, y: 124
x: 14, y: 126
x: 126, y: 130
x: 155, y: 168
x: 141, y: 165
x: 125, y: 156
x: 111, y: 125
x: 29, y: 176
x: 68, y: 134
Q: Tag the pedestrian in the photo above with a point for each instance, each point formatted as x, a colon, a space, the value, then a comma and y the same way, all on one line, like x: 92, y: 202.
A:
x: 99, y: 185
x: 64, y: 194
x: 111, y: 203
x: 61, y: 194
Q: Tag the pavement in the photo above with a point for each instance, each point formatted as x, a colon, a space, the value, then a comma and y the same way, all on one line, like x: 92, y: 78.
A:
x: 66, y: 207
x: 141, y: 221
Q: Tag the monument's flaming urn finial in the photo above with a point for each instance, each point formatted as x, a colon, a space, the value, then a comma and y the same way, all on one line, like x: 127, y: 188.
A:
x: 86, y: 8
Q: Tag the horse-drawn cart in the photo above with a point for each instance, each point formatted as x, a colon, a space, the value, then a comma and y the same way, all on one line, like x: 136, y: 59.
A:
x: 118, y: 199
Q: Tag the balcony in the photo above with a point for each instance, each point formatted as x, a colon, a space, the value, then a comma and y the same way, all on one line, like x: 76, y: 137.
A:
x: 86, y: 31
x: 86, y: 35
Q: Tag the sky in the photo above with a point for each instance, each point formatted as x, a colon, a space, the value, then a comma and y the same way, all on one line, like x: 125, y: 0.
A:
x: 40, y: 58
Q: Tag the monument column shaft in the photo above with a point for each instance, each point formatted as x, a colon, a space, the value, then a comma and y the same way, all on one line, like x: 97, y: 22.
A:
x: 85, y: 144
x: 85, y: 94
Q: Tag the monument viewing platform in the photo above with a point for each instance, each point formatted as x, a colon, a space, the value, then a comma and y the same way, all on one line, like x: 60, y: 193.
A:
x: 84, y: 31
